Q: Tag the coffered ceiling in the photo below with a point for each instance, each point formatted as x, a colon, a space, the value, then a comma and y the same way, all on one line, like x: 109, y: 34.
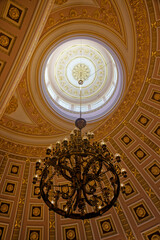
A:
x: 30, y: 30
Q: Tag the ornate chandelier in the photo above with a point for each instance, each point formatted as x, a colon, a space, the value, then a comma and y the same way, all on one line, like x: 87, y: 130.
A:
x: 90, y: 173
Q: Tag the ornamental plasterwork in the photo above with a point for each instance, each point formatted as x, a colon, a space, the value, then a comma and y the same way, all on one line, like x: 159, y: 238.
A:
x: 106, y: 14
x: 41, y: 127
x: 125, y: 107
x: 60, y: 2
x: 13, y: 105
x: 21, y: 149
x: 142, y: 27
x: 14, y: 13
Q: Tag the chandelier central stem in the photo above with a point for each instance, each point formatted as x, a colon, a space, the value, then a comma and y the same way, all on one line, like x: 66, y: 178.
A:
x: 80, y: 102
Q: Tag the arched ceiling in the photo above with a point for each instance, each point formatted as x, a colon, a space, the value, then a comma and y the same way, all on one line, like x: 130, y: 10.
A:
x: 29, y: 32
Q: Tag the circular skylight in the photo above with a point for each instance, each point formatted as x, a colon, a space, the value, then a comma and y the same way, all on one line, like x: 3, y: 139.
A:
x: 90, y: 61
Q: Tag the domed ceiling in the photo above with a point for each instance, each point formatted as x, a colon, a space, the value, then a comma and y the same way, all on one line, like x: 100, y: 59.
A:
x: 46, y: 48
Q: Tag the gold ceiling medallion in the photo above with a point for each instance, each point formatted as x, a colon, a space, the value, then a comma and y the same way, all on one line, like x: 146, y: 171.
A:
x: 81, y: 71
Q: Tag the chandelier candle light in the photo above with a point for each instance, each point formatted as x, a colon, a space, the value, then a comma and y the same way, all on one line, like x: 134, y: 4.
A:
x: 91, y: 175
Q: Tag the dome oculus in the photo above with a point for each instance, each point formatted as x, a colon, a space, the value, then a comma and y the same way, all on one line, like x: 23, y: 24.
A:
x: 93, y: 63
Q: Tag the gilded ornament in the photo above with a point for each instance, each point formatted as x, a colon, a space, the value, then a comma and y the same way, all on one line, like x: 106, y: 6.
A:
x: 52, y: 224
x: 71, y: 234
x: 135, y: 172
x: 21, y: 201
x: 149, y: 192
x: 34, y: 236
x: 24, y: 181
x: 51, y: 22
x: 37, y: 190
x: 4, y: 208
x: 130, y: 236
x: 36, y: 211
x: 73, y: 13
x: 4, y: 41
x: 142, y: 137
x: 17, y: 224
x: 141, y: 212
x: 60, y: 2
x: 14, y: 170
x: 14, y: 13
x: 86, y: 221
x: 154, y: 54
x: 126, y: 139
x: 128, y: 189
x: 107, y: 14
x: 106, y: 226
x: 140, y: 154
x: 10, y: 187
x: 80, y: 71
x: 143, y: 120
x: 13, y: 105
x: 118, y: 208
x: 155, y: 237
x: 156, y: 96
x: 155, y: 170
x: 148, y: 80
x: 85, y: 12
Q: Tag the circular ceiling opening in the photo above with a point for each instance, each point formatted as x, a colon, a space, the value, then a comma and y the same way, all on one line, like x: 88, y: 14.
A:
x: 82, y: 59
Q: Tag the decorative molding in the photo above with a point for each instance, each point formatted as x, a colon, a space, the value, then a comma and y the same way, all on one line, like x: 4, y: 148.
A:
x: 5, y: 208
x: 143, y: 42
x: 52, y: 225
x: 2, y: 65
x: 143, y: 120
x: 150, y: 109
x: 9, y: 187
x: 14, y: 13
x: 106, y: 227
x: 126, y: 139
x: 126, y: 227
x: 140, y: 154
x: 28, y: 44
x: 60, y: 2
x: 106, y: 14
x: 34, y: 233
x: 123, y: 219
x: 155, y: 96
x: 130, y: 190
x: 141, y: 212
x: 36, y: 212
x: 19, y: 213
x: 22, y: 150
x: 144, y: 138
x: 6, y: 41
x: 154, y: 170
x: 152, y: 234
x: 153, y: 197
x: 14, y: 169
x: 70, y: 232
x: 156, y: 131
x: 3, y: 165
x: 88, y: 229
x: 3, y: 231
